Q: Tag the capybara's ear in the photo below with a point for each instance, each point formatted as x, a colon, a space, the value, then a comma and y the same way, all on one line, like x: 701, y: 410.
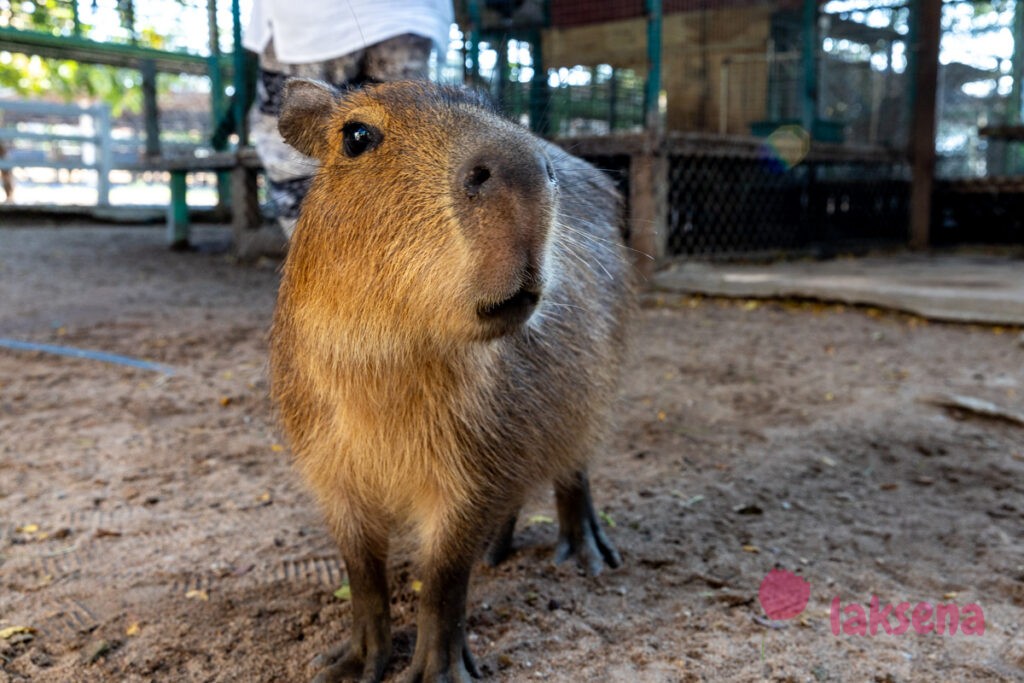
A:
x: 305, y: 112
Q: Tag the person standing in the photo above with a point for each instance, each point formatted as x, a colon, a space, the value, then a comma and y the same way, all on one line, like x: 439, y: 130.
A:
x: 342, y: 42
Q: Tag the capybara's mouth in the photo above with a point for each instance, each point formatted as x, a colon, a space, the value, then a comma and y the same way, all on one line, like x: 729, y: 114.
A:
x: 513, y: 309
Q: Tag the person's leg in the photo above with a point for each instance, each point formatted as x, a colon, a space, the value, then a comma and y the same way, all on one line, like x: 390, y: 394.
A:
x: 288, y: 172
x: 402, y: 58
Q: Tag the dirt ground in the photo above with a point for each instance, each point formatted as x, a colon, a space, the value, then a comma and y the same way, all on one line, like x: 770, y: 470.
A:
x: 151, y: 528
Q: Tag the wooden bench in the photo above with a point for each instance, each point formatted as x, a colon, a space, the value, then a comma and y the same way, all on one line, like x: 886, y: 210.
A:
x: 244, y: 165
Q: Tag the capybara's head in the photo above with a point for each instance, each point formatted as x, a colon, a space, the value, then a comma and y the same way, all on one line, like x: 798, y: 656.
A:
x: 429, y: 215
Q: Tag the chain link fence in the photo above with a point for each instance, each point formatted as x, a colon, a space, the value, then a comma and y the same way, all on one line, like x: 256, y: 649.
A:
x: 746, y: 196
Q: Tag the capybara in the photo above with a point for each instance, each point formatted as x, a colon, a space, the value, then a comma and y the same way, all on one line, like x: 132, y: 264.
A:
x: 447, y: 337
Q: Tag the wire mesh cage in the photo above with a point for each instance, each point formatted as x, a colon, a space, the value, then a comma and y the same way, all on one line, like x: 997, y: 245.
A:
x: 749, y: 197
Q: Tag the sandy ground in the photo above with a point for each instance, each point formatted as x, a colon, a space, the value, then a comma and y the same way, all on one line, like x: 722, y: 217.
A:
x: 151, y: 528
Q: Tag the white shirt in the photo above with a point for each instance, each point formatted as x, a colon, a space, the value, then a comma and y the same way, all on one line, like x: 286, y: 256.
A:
x: 317, y: 30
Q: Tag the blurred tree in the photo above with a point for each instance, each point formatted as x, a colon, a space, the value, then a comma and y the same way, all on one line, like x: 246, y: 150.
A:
x: 40, y: 77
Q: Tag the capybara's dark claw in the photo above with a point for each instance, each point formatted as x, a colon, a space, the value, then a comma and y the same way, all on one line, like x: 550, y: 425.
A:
x: 579, y: 529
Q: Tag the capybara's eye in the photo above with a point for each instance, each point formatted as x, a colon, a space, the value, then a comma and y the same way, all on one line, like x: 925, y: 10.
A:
x: 358, y: 138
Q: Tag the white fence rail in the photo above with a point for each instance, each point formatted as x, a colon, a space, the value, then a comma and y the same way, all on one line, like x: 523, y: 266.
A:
x: 58, y: 136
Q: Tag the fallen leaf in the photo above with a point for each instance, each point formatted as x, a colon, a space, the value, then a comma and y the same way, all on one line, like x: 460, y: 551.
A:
x: 133, y: 630
x: 103, y: 533
x: 196, y: 594
x: 889, y: 486
x: 344, y: 592
x: 6, y: 633
x: 264, y: 498
x: 751, y: 549
x: 27, y: 529
x: 277, y: 448
x: 950, y: 595
x: 540, y: 519
x: 827, y: 461
x: 225, y: 401
x: 417, y: 585
x: 607, y: 518
x: 751, y: 305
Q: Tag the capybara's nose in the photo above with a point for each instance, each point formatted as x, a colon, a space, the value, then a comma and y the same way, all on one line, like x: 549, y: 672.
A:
x: 502, y: 167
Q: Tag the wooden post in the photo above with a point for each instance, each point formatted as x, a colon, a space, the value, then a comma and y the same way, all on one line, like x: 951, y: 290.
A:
x: 648, y: 208
x: 922, y: 128
x: 217, y: 108
x: 245, y: 206
x: 648, y: 170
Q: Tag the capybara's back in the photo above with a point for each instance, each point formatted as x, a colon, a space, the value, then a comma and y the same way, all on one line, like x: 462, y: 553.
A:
x: 448, y: 336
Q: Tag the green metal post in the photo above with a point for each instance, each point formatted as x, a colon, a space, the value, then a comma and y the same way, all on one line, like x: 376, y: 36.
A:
x: 1016, y: 156
x: 809, y: 95
x: 1017, y: 68
x: 652, y: 92
x: 241, y: 76
x: 473, y: 43
x: 540, y: 95
x: 217, y: 101
x: 150, y: 108
x: 76, y: 22
x: 177, y: 212
x: 131, y: 23
x: 613, y: 100
x: 914, y: 6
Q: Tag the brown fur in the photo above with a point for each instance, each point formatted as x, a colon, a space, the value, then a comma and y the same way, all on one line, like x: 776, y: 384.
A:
x: 406, y: 409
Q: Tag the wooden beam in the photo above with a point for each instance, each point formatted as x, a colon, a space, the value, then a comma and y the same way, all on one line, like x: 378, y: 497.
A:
x: 922, y: 129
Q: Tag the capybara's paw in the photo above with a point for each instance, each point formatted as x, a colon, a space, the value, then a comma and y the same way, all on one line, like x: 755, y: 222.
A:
x: 440, y: 667
x: 347, y: 663
x: 585, y: 540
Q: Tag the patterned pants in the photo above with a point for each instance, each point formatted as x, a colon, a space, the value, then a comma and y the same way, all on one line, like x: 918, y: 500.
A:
x: 288, y: 172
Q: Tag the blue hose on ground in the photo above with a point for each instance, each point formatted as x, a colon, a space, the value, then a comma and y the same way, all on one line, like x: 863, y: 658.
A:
x: 72, y: 352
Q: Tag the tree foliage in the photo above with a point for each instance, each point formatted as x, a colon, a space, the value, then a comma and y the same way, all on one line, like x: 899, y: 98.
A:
x: 41, y: 77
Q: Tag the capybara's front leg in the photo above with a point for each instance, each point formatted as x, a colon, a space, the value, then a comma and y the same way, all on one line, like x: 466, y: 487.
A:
x: 579, y: 529
x: 442, y: 654
x: 365, y: 656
